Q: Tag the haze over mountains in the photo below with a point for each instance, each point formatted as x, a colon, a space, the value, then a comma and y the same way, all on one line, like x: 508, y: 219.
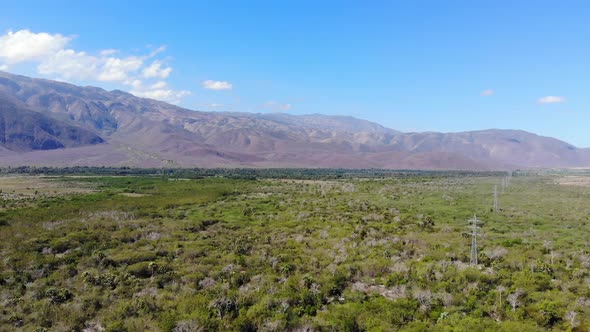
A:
x: 51, y: 123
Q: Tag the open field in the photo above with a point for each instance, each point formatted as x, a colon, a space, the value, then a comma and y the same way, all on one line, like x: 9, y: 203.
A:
x: 15, y: 189
x: 135, y: 253
x: 29, y: 186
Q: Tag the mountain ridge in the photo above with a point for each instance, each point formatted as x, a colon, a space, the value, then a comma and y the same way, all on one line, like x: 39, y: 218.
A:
x: 144, y: 132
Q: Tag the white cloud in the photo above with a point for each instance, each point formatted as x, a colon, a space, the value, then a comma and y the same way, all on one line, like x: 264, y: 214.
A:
x: 216, y: 85
x: 108, y: 52
x: 157, y: 51
x: 25, y: 45
x: 49, y: 53
x: 159, y: 85
x: 156, y: 70
x: 551, y: 100
x: 158, y: 91
x: 116, y: 69
x: 488, y: 92
x: 277, y: 107
x: 167, y: 95
x: 70, y: 65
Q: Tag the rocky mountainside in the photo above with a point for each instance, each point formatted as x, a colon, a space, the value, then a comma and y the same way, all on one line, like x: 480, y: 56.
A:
x: 91, y: 126
x: 22, y: 129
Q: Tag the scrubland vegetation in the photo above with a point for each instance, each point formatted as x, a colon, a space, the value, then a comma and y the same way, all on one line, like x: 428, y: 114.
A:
x: 320, y: 252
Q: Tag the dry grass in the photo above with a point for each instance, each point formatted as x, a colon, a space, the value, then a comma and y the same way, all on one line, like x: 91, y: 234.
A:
x: 28, y: 186
x: 582, y: 181
x: 132, y: 194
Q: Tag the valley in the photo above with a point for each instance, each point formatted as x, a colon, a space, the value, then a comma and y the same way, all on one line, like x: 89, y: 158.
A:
x: 321, y: 251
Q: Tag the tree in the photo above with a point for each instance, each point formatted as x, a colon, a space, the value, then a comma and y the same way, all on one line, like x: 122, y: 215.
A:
x: 514, y: 300
x: 571, y: 317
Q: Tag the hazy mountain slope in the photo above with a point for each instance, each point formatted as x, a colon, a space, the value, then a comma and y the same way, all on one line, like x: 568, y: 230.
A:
x: 498, y: 147
x: 141, y: 131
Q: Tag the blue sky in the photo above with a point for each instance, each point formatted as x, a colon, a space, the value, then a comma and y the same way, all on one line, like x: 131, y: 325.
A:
x: 409, y: 65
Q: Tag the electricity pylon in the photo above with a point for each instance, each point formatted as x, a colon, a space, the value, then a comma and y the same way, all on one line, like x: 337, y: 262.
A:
x: 496, y: 198
x: 473, y: 257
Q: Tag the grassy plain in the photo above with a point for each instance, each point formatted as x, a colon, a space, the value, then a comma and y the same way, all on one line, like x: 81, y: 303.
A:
x: 135, y: 253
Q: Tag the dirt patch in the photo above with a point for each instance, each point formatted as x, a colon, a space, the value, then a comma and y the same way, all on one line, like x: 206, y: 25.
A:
x: 306, y: 181
x: 132, y: 194
x: 580, y: 181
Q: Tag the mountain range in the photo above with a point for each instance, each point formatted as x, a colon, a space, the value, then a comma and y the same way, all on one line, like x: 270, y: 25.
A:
x: 50, y: 123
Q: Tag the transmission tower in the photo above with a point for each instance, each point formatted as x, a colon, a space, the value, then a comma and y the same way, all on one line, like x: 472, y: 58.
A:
x: 496, y: 198
x: 503, y: 185
x: 473, y: 257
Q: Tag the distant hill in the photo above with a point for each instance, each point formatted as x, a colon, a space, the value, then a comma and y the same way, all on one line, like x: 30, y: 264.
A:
x: 54, y: 123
